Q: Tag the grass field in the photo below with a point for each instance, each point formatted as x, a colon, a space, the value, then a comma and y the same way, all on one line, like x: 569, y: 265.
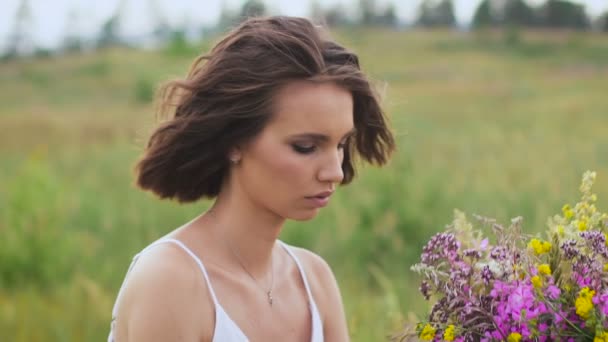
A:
x: 491, y: 124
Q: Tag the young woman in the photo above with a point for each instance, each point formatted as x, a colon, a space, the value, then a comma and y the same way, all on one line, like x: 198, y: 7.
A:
x: 267, y: 125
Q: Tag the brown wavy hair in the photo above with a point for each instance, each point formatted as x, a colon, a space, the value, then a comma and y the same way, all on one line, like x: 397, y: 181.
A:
x: 226, y: 100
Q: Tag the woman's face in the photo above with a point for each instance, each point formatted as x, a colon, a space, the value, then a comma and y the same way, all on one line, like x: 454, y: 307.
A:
x: 293, y: 165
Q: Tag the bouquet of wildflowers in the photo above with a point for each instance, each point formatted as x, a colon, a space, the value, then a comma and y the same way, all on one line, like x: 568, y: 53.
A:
x: 520, y: 288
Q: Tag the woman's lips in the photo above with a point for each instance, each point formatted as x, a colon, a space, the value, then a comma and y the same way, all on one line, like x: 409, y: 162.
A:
x: 319, y: 201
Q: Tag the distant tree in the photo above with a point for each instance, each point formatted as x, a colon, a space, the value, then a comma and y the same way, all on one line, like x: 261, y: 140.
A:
x: 510, y: 13
x: 316, y: 12
x: 367, y: 9
x: 20, y: 41
x: 388, y: 17
x: 433, y: 13
x: 253, y: 8
x: 228, y: 17
x: 483, y: 15
x: 519, y: 13
x: 162, y: 30
x: 564, y: 14
x: 110, y: 34
x: 335, y: 16
x: 178, y: 44
x: 72, y: 40
x: 604, y: 22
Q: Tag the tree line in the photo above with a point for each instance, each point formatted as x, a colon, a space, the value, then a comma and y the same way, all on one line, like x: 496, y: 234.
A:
x: 552, y: 14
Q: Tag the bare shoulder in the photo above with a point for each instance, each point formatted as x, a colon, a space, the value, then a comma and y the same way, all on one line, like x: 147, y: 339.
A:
x: 326, y: 293
x: 315, y: 267
x: 163, y: 298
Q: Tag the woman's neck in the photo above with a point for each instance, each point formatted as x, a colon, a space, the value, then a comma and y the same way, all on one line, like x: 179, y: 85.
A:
x: 247, y: 233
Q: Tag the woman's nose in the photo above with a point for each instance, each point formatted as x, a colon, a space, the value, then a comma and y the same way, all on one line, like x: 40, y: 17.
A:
x: 331, y: 170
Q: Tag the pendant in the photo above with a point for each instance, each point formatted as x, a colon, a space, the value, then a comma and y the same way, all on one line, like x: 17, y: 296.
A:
x: 269, y: 294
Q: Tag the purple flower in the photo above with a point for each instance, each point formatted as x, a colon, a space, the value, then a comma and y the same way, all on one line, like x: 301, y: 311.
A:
x: 553, y: 292
x: 498, y: 253
x: 507, y: 292
x: 570, y: 250
x: 425, y: 289
x: 596, y: 241
x: 601, y: 301
x: 442, y: 245
x: 486, y: 274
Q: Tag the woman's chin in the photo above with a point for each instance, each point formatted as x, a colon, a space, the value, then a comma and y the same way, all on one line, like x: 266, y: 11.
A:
x: 306, y: 215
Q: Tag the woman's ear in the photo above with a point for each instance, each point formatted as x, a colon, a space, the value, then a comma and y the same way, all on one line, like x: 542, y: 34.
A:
x: 234, y: 155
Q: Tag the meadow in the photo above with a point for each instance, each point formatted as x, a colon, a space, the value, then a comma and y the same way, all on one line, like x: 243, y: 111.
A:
x: 496, y: 124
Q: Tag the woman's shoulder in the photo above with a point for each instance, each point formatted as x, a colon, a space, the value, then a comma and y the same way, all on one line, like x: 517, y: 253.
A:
x: 319, y: 274
x: 162, y: 294
x: 160, y: 268
x: 326, y: 293
x: 313, y: 264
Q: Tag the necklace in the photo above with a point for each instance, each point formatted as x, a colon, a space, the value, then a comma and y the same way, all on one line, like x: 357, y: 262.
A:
x: 269, y: 291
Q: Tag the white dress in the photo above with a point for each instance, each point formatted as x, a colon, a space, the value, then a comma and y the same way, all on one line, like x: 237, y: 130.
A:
x: 226, y: 330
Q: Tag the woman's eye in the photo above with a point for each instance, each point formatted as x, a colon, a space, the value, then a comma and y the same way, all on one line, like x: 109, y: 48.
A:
x: 303, y: 149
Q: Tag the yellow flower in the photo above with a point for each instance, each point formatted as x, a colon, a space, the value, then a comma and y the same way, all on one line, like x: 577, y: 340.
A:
x: 583, y: 302
x: 544, y: 269
x: 605, y: 267
x: 540, y: 247
x: 601, y: 337
x: 428, y: 333
x: 593, y: 197
x: 536, y: 282
x: 568, y: 212
x: 586, y: 292
x: 449, y: 335
x: 560, y: 230
x: 582, y: 224
x: 514, y: 337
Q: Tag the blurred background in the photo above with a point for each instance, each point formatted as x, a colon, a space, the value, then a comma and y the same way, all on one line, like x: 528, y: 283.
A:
x: 498, y: 106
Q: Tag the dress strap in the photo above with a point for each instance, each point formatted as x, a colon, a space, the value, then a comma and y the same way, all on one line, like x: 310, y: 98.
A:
x: 115, y: 307
x: 196, y: 259
x: 183, y: 247
x: 300, y: 268
x: 317, y: 323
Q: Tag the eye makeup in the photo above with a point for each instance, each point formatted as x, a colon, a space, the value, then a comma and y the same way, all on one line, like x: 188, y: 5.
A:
x: 309, y: 142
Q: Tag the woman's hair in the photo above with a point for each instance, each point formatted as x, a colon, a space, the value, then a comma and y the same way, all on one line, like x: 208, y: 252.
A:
x: 227, y: 100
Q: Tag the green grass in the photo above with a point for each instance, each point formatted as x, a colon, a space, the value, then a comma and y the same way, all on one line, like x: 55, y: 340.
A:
x: 485, y: 123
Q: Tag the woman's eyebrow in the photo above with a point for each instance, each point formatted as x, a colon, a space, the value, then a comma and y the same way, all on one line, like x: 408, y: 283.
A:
x: 322, y: 137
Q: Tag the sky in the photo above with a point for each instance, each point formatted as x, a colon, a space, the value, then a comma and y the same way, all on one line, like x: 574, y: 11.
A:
x: 50, y: 18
